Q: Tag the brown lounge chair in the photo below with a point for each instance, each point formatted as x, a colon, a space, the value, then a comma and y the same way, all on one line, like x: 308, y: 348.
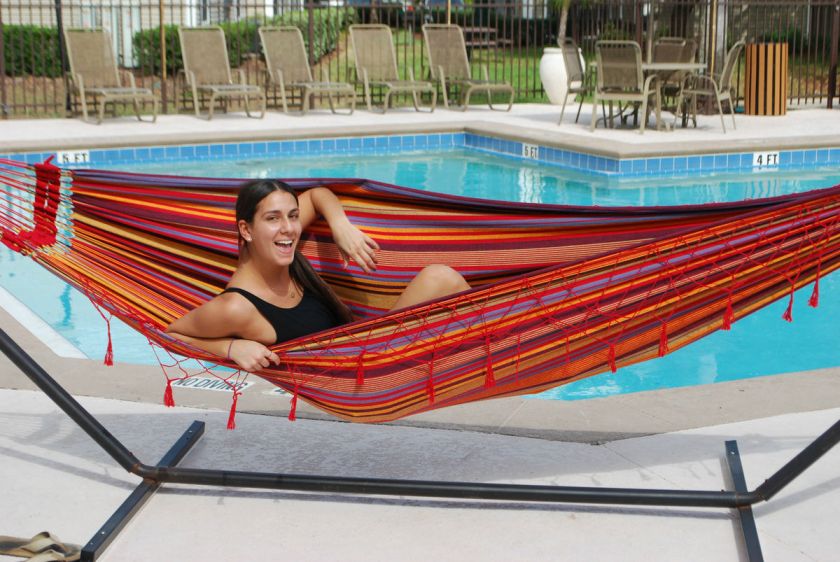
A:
x: 376, y: 65
x: 207, y: 70
x: 94, y: 73
x: 450, y: 66
x: 288, y: 68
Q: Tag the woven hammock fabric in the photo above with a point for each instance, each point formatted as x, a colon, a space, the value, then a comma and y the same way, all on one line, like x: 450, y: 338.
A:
x: 560, y: 292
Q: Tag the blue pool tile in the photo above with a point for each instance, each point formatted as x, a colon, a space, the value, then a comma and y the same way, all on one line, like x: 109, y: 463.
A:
x: 156, y: 152
x: 342, y: 144
x: 328, y: 145
x: 217, y: 150
x: 733, y: 161
x: 639, y: 165
x: 187, y: 151
x: 785, y: 158
x: 434, y: 140
x: 230, y: 149
x: 666, y: 164
x: 707, y: 163
x: 654, y: 165
x: 693, y: 163
x: 611, y: 165
x: 796, y: 157
x: 356, y: 143
x: 246, y: 149
x: 126, y: 155
x: 111, y: 155
x: 834, y: 156
x: 680, y: 163
x: 142, y: 154
x: 202, y: 151
x: 260, y: 147
x: 312, y: 147
x: 421, y: 141
x: 394, y: 142
x: 625, y: 167
x: 720, y: 162
x: 170, y: 152
x: 809, y: 156
x: 746, y: 160
x: 822, y: 156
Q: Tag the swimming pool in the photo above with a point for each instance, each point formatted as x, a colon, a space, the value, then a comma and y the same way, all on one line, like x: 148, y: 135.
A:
x: 761, y: 344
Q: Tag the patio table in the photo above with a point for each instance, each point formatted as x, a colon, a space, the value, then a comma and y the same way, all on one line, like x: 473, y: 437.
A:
x: 661, y: 68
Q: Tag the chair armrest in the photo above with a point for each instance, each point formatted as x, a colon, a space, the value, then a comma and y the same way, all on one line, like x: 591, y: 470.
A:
x: 411, y: 74
x: 241, y: 74
x: 78, y: 82
x: 131, y: 82
x: 485, y: 74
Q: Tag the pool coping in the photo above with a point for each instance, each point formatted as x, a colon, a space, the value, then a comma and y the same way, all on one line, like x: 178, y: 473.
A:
x: 613, y: 148
x: 593, y: 421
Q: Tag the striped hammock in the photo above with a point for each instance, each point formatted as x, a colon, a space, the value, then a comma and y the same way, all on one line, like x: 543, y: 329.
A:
x: 560, y: 292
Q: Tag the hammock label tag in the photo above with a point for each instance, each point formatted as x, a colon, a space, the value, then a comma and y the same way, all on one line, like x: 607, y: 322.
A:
x: 530, y: 151
x: 73, y: 157
x: 765, y: 159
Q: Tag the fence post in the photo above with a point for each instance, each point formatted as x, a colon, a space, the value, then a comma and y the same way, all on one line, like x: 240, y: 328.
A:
x: 310, y: 8
x: 62, y: 49
x: 5, y: 108
x: 832, y: 69
x: 163, y: 96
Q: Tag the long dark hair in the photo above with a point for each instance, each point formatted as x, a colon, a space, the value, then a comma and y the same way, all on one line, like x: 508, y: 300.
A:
x: 251, y: 193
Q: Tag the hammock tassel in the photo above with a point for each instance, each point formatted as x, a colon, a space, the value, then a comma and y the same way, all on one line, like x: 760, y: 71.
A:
x: 611, y: 358
x: 293, y: 405
x: 109, y: 351
x: 232, y: 417
x: 788, y: 315
x: 728, y: 316
x: 663, y: 341
x: 168, y: 397
x: 430, y: 381
x: 814, y: 301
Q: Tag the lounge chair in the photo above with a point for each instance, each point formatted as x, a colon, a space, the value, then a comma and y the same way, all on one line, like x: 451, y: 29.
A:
x: 207, y: 69
x: 94, y: 73
x: 620, y: 79
x: 706, y: 86
x: 450, y: 66
x: 288, y: 68
x: 576, y: 79
x: 376, y: 66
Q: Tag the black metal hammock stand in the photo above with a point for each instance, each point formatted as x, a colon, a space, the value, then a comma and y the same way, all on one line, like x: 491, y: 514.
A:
x: 740, y: 499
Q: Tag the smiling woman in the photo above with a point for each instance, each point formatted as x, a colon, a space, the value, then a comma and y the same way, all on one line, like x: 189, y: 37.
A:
x: 275, y: 295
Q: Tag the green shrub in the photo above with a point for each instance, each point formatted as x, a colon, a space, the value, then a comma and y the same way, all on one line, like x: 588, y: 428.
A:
x: 31, y: 50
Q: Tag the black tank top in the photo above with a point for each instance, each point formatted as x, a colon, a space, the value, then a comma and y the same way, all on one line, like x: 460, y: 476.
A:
x: 309, y: 316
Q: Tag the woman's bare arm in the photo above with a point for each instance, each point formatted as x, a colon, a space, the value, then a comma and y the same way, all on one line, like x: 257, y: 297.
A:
x: 215, y: 327
x: 352, y: 242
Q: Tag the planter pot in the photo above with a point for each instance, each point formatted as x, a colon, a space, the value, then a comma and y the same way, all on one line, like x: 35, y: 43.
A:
x: 553, y: 75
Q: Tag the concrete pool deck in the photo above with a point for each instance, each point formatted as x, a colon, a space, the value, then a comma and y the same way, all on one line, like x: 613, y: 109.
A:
x: 661, y: 439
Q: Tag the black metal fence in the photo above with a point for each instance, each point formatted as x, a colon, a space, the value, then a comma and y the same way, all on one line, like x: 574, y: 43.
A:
x: 508, y: 37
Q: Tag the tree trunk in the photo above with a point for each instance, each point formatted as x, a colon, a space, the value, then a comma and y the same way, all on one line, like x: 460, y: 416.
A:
x: 561, y: 28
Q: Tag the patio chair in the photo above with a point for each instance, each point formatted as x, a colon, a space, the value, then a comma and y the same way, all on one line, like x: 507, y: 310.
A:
x: 722, y: 89
x: 376, y: 65
x: 94, y: 73
x: 673, y: 49
x: 576, y: 79
x: 207, y: 70
x: 450, y: 66
x: 288, y: 68
x: 620, y: 79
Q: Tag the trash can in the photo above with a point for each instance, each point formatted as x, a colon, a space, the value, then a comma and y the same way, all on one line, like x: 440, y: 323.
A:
x: 766, y: 79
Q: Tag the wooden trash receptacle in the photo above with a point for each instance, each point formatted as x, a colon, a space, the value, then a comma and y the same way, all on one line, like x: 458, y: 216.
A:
x: 766, y: 79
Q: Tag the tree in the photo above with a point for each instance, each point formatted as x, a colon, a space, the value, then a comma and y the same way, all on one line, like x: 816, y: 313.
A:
x: 563, y: 6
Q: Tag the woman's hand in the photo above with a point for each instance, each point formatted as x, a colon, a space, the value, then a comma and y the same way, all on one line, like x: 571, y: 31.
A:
x: 251, y: 355
x: 354, y: 244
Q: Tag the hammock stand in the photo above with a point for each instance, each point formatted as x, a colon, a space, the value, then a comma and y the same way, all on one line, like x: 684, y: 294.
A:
x: 166, y: 470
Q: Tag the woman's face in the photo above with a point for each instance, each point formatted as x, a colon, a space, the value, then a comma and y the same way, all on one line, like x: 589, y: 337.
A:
x: 274, y: 233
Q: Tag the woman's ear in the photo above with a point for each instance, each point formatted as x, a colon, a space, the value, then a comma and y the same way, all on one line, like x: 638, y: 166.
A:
x: 244, y: 230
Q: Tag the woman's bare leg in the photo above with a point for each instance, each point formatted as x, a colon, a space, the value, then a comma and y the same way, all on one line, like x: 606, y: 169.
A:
x: 433, y: 282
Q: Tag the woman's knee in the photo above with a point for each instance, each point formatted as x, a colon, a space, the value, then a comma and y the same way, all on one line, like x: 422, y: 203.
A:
x: 445, y: 279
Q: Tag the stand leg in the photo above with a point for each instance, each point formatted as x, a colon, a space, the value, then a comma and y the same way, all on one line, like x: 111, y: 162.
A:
x: 745, y: 514
x: 108, y: 532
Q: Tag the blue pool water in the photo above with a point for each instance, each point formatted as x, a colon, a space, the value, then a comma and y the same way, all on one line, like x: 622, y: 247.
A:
x: 761, y: 344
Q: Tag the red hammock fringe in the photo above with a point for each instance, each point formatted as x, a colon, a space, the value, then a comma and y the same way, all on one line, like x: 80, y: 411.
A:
x: 663, y: 341
x: 168, y: 397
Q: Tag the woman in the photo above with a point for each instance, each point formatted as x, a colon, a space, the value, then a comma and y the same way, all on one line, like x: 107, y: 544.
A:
x: 275, y: 295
